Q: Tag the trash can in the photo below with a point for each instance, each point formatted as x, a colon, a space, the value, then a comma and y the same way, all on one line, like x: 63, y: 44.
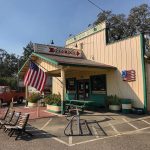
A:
x: 126, y: 106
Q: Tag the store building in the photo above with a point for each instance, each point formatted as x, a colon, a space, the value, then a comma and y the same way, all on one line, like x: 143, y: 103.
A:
x: 90, y: 68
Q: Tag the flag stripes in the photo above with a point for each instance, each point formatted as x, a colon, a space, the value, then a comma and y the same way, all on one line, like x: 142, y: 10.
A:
x: 35, y: 77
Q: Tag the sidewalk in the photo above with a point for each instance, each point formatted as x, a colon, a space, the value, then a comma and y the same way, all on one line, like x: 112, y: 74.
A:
x: 35, y: 113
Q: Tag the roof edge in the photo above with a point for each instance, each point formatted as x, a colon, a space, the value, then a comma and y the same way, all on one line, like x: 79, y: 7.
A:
x: 47, y: 59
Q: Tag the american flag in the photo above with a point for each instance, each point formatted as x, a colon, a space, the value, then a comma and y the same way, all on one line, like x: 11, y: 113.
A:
x: 35, y: 77
x: 128, y: 75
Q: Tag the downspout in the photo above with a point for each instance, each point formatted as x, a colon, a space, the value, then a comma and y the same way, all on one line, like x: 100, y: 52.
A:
x: 143, y: 71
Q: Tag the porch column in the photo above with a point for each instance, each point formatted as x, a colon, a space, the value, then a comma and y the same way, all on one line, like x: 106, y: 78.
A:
x: 63, y: 92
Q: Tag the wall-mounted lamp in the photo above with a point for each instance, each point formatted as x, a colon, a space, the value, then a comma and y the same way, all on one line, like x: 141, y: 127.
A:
x: 76, y: 45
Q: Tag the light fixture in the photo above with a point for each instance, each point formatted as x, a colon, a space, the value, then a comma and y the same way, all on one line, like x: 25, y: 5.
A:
x: 52, y: 42
x: 76, y: 45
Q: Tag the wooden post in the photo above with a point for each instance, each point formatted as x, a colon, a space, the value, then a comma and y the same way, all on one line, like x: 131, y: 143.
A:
x: 63, y: 92
x: 26, y: 95
x: 11, y: 104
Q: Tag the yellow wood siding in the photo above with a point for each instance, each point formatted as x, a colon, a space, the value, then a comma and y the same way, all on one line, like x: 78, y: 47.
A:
x: 48, y: 67
x: 125, y: 55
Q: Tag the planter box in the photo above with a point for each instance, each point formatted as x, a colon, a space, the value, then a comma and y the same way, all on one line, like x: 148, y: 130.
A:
x: 54, y: 108
x: 32, y: 104
x: 115, y: 108
x: 126, y: 108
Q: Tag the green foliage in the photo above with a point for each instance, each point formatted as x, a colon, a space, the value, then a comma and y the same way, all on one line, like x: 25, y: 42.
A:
x: 120, y: 26
x: 53, y: 99
x: 113, y: 100
x: 34, y: 97
x: 9, y: 81
x: 28, y: 50
x: 8, y: 64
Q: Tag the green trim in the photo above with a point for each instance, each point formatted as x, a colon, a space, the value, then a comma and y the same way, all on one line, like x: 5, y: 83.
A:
x: 120, y: 40
x: 107, y: 35
x: 86, y: 33
x: 84, y: 37
x: 47, y: 59
x: 57, y: 112
x: 23, y: 66
x: 78, y: 65
x: 143, y: 70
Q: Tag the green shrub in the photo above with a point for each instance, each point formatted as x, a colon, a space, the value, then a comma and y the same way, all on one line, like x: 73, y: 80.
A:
x: 113, y: 100
x: 53, y: 99
x: 34, y: 97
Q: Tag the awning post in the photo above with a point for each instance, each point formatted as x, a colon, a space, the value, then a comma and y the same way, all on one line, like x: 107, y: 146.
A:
x: 63, y: 92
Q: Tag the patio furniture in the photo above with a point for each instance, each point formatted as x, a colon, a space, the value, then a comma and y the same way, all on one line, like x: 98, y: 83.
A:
x: 79, y: 123
x: 80, y: 104
x: 5, y: 114
x: 14, y: 120
x: 7, y: 119
x: 20, y: 127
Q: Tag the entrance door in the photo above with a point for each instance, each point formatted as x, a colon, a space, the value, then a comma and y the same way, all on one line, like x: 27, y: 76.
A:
x: 83, y: 89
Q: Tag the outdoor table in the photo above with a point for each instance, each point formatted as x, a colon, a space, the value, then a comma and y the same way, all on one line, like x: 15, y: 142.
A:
x: 76, y: 104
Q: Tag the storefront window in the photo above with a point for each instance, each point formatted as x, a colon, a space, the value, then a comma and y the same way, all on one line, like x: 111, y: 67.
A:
x: 70, y: 85
x: 98, y: 84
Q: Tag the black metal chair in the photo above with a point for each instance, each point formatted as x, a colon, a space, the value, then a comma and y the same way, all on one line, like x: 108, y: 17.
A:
x: 20, y: 127
x: 14, y: 120
x: 7, y: 119
x: 5, y: 114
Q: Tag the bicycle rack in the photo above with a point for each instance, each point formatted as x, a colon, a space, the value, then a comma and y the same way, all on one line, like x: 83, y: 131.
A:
x: 79, y: 124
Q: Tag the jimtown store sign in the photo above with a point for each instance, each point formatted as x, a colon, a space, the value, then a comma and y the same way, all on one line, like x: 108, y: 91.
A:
x: 53, y: 50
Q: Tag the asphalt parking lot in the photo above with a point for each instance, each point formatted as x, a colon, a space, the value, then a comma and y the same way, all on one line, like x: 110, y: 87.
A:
x: 109, y: 131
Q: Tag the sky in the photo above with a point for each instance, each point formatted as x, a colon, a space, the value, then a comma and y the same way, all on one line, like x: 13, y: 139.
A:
x: 41, y: 21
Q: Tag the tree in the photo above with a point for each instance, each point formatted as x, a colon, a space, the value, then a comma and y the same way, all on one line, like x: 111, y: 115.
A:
x: 26, y: 54
x: 28, y: 50
x: 139, y: 19
x: 121, y: 26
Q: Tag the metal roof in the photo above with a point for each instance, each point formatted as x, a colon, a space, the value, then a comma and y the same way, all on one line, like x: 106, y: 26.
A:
x: 70, y: 61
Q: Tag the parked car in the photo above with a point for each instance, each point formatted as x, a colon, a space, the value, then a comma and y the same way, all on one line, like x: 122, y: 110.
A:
x: 6, y: 95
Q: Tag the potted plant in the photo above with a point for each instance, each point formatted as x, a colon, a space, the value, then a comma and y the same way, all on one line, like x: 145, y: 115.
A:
x: 126, y: 105
x: 33, y: 99
x: 114, y: 103
x: 53, y: 102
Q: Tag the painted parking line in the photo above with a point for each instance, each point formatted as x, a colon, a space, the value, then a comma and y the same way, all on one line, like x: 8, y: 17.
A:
x: 46, y: 124
x: 70, y: 140
x: 126, y: 121
x: 61, y: 141
x: 107, y: 137
x: 95, y: 132
x: 117, y: 132
x: 146, y: 121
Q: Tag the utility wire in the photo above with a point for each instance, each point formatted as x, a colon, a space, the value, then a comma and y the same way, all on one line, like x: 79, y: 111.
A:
x: 96, y: 5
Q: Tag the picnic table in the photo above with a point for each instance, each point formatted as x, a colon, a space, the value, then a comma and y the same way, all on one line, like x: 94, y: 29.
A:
x: 78, y: 104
